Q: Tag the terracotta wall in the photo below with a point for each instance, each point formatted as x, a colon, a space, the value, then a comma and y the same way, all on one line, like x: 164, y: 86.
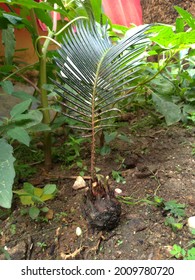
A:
x: 23, y: 41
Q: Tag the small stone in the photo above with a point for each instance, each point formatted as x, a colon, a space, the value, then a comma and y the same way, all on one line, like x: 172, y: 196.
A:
x: 118, y: 191
x: 78, y: 231
x: 191, y: 200
x: 191, y: 222
x: 79, y: 183
x: 49, y: 214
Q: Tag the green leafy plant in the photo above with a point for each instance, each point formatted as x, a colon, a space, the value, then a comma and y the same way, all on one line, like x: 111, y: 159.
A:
x: 42, y: 245
x: 21, y: 123
x: 33, y: 196
x: 172, y: 89
x: 23, y: 15
x: 174, y: 212
x: 173, y: 223
x: 180, y: 253
x: 174, y: 208
x: 187, y: 252
x: 56, y: 16
x: 116, y: 175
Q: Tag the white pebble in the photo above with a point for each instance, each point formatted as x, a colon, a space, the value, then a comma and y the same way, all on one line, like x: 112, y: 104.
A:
x: 79, y: 183
x: 78, y: 231
x: 118, y: 191
x: 191, y: 222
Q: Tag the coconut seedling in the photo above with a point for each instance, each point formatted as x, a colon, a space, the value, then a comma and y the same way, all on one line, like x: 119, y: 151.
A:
x: 95, y: 75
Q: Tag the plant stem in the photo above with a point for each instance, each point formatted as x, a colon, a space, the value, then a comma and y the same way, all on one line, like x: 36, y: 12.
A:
x: 42, y: 54
x: 44, y: 102
x: 93, y: 144
x: 93, y: 122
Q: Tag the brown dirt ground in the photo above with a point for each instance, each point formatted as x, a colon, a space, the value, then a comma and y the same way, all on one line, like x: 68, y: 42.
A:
x: 162, y: 163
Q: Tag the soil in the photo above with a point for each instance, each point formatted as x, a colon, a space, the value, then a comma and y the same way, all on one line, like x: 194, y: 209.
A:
x: 159, y: 161
x: 163, y: 10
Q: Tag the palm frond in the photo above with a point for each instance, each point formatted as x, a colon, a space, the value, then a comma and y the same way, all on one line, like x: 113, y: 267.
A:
x: 95, y: 73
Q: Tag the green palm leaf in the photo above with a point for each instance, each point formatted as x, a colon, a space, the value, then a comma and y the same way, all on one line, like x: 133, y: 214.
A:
x: 96, y: 74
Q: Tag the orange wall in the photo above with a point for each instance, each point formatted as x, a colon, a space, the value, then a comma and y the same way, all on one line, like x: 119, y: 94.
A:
x: 23, y: 40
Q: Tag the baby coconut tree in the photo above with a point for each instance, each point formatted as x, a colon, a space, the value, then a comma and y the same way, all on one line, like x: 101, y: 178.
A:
x: 95, y: 75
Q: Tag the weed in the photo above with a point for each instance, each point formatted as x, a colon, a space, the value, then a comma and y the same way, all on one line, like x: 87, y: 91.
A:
x: 36, y: 197
x: 174, y: 208
x: 184, y: 253
x: 173, y: 223
x: 180, y: 253
x: 119, y: 242
x: 13, y: 229
x: 173, y: 211
x: 116, y: 175
x: 42, y: 245
x: 59, y: 216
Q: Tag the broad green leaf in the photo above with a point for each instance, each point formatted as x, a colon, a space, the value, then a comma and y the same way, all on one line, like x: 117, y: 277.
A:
x: 19, y: 134
x: 29, y: 195
x: 46, y: 197
x: 44, y: 209
x: 44, y: 17
x: 8, y: 39
x: 176, y: 209
x: 177, y: 251
x: 7, y: 86
x: 97, y: 9
x: 34, y: 212
x: 31, y: 4
x: 23, y: 95
x: 168, y: 39
x: 179, y: 25
x: 40, y: 127
x: 120, y: 28
x: 29, y: 119
x: 186, y: 16
x: 25, y: 198
x: 20, y: 108
x: 35, y: 116
x: 29, y: 188
x: 49, y: 189
x: 7, y: 173
x: 191, y: 254
x: 169, y: 110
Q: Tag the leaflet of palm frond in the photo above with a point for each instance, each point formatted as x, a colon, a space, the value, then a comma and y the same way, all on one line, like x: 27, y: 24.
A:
x: 97, y: 74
